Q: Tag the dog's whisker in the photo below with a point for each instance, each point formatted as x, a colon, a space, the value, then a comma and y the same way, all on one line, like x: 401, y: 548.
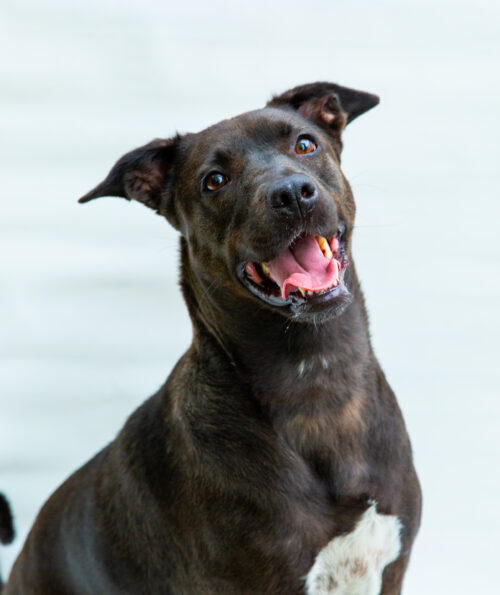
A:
x: 209, y: 291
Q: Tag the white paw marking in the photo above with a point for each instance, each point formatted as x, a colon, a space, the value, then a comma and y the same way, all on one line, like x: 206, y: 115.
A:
x: 353, y: 564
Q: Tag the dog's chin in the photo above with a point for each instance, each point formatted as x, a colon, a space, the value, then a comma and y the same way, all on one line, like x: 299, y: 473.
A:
x: 330, y: 306
x: 326, y: 301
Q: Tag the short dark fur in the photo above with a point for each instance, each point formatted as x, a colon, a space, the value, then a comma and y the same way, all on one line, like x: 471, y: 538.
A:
x: 240, y: 469
x: 6, y: 522
x: 7, y: 532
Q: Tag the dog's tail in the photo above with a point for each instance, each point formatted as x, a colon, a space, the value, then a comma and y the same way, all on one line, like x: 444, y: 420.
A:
x: 6, y: 525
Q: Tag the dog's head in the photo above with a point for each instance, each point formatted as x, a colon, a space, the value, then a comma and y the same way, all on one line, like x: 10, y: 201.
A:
x: 260, y: 199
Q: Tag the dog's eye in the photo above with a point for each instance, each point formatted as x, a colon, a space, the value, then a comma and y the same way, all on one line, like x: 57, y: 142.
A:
x: 215, y: 180
x: 305, y: 145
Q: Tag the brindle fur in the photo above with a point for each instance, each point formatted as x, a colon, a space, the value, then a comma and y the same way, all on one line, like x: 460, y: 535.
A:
x: 274, y: 429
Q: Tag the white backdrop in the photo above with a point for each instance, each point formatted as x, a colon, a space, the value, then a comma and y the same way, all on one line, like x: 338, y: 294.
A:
x: 91, y: 317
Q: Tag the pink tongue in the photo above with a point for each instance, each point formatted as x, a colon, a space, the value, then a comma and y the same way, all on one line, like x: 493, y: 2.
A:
x: 303, y: 265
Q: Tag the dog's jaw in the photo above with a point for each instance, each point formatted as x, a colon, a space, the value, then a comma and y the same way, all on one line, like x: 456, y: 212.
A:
x: 294, y: 289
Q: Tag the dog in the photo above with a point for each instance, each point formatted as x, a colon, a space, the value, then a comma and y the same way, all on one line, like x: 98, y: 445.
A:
x: 275, y: 459
x: 7, y: 533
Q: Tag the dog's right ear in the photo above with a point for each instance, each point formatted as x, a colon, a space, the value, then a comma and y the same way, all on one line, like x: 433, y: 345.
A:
x: 144, y: 174
x: 330, y: 105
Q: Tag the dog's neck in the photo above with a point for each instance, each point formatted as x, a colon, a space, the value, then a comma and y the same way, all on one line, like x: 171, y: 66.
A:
x: 310, y: 382
x: 282, y: 360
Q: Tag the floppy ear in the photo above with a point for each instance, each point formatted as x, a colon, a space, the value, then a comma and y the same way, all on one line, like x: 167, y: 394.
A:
x: 327, y: 104
x: 145, y: 175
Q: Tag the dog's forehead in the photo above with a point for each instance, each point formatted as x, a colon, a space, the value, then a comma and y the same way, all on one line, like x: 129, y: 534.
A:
x: 246, y: 132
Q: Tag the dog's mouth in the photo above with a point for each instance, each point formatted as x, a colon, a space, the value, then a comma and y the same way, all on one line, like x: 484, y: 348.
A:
x: 309, y: 271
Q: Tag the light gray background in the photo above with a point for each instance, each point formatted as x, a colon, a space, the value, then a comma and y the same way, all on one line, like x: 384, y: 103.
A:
x: 90, y: 312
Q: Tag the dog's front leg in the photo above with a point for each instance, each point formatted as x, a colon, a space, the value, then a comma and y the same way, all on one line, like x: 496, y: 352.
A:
x: 392, y: 580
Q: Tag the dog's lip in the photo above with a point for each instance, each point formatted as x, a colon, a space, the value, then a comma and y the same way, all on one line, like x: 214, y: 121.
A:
x: 296, y: 299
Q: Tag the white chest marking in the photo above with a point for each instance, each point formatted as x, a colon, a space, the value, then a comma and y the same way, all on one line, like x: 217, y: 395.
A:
x: 306, y: 366
x: 353, y: 564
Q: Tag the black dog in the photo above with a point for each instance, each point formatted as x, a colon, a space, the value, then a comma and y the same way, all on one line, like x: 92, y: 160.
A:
x: 275, y: 458
x: 6, y: 525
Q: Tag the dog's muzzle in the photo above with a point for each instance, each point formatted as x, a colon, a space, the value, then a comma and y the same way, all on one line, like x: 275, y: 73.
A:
x: 309, y: 271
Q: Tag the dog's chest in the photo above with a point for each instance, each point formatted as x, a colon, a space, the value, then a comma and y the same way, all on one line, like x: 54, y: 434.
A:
x: 329, y: 435
x: 352, y: 564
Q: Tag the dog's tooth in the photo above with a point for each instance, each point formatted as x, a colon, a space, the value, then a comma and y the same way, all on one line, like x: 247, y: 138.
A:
x: 265, y: 269
x: 302, y: 291
x: 321, y: 241
x: 310, y: 292
x: 325, y: 248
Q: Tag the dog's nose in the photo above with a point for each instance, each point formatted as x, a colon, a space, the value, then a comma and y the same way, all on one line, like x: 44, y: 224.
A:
x: 294, y: 195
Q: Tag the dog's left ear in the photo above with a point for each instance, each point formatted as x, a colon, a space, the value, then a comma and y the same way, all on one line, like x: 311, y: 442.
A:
x: 143, y: 175
x: 327, y: 104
